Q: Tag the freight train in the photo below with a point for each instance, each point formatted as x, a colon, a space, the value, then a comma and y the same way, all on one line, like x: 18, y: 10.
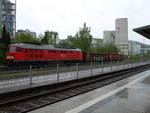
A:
x: 38, y: 53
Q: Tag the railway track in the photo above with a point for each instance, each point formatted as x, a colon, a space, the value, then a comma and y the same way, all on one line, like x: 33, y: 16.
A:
x: 37, y: 97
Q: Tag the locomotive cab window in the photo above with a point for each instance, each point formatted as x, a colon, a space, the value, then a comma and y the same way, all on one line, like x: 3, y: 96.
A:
x: 71, y: 51
x: 11, y: 49
x: 50, y: 51
x: 18, y: 50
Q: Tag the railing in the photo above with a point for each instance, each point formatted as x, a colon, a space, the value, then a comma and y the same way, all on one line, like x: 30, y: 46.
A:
x: 49, y: 75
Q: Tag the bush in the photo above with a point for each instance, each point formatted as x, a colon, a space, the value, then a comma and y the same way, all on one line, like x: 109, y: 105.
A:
x: 2, y: 56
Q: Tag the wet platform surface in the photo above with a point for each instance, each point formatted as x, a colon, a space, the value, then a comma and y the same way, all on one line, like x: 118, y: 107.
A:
x: 131, y: 95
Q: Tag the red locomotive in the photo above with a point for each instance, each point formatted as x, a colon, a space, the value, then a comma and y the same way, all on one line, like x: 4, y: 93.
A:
x: 38, y: 53
x: 34, y: 53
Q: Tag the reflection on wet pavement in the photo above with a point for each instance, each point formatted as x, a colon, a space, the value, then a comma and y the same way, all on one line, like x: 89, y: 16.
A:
x: 146, y: 81
x: 135, y: 99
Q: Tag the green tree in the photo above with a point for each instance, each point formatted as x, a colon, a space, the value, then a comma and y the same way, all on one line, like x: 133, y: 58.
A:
x: 2, y: 54
x: 66, y: 43
x: 1, y: 32
x: 22, y: 37
x: 6, y: 40
x: 47, y: 39
x: 108, y: 48
x: 40, y: 37
x: 82, y: 39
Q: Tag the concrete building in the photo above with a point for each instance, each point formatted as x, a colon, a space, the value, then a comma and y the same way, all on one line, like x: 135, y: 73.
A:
x: 0, y: 13
x: 27, y: 31
x: 0, y: 17
x: 121, y: 40
x: 55, y: 37
x: 109, y: 37
x: 119, y: 36
x: 136, y: 48
x: 8, y: 16
x: 96, y: 42
x: 63, y: 40
x: 145, y: 50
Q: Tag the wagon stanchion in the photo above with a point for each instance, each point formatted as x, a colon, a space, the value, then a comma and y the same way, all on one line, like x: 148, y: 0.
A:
x: 30, y: 74
x: 57, y: 72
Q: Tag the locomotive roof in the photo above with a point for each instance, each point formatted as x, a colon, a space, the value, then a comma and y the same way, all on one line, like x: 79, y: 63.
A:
x: 50, y: 47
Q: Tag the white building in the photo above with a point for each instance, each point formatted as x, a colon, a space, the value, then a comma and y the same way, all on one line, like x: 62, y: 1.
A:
x: 145, y: 50
x: 0, y: 17
x: 0, y: 13
x: 121, y: 39
x: 119, y: 36
x: 8, y: 16
x: 54, y: 35
x: 109, y: 37
x: 134, y: 48
x: 96, y: 42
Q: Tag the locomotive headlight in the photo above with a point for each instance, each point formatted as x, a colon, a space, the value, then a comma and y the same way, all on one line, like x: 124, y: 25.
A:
x: 10, y: 57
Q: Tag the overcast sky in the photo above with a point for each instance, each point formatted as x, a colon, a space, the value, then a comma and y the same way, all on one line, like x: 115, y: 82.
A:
x: 66, y: 16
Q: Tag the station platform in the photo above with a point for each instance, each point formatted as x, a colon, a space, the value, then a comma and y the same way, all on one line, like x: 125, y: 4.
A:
x: 131, y: 95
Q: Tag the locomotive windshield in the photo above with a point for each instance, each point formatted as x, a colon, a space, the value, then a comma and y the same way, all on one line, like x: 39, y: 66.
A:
x: 11, y: 49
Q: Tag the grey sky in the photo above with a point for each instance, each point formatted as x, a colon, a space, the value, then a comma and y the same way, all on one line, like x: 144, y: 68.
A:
x: 66, y: 16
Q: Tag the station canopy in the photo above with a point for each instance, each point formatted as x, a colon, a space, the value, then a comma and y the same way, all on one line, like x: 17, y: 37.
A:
x: 144, y: 31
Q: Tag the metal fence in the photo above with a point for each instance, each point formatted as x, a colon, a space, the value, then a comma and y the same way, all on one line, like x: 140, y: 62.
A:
x: 38, y: 75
